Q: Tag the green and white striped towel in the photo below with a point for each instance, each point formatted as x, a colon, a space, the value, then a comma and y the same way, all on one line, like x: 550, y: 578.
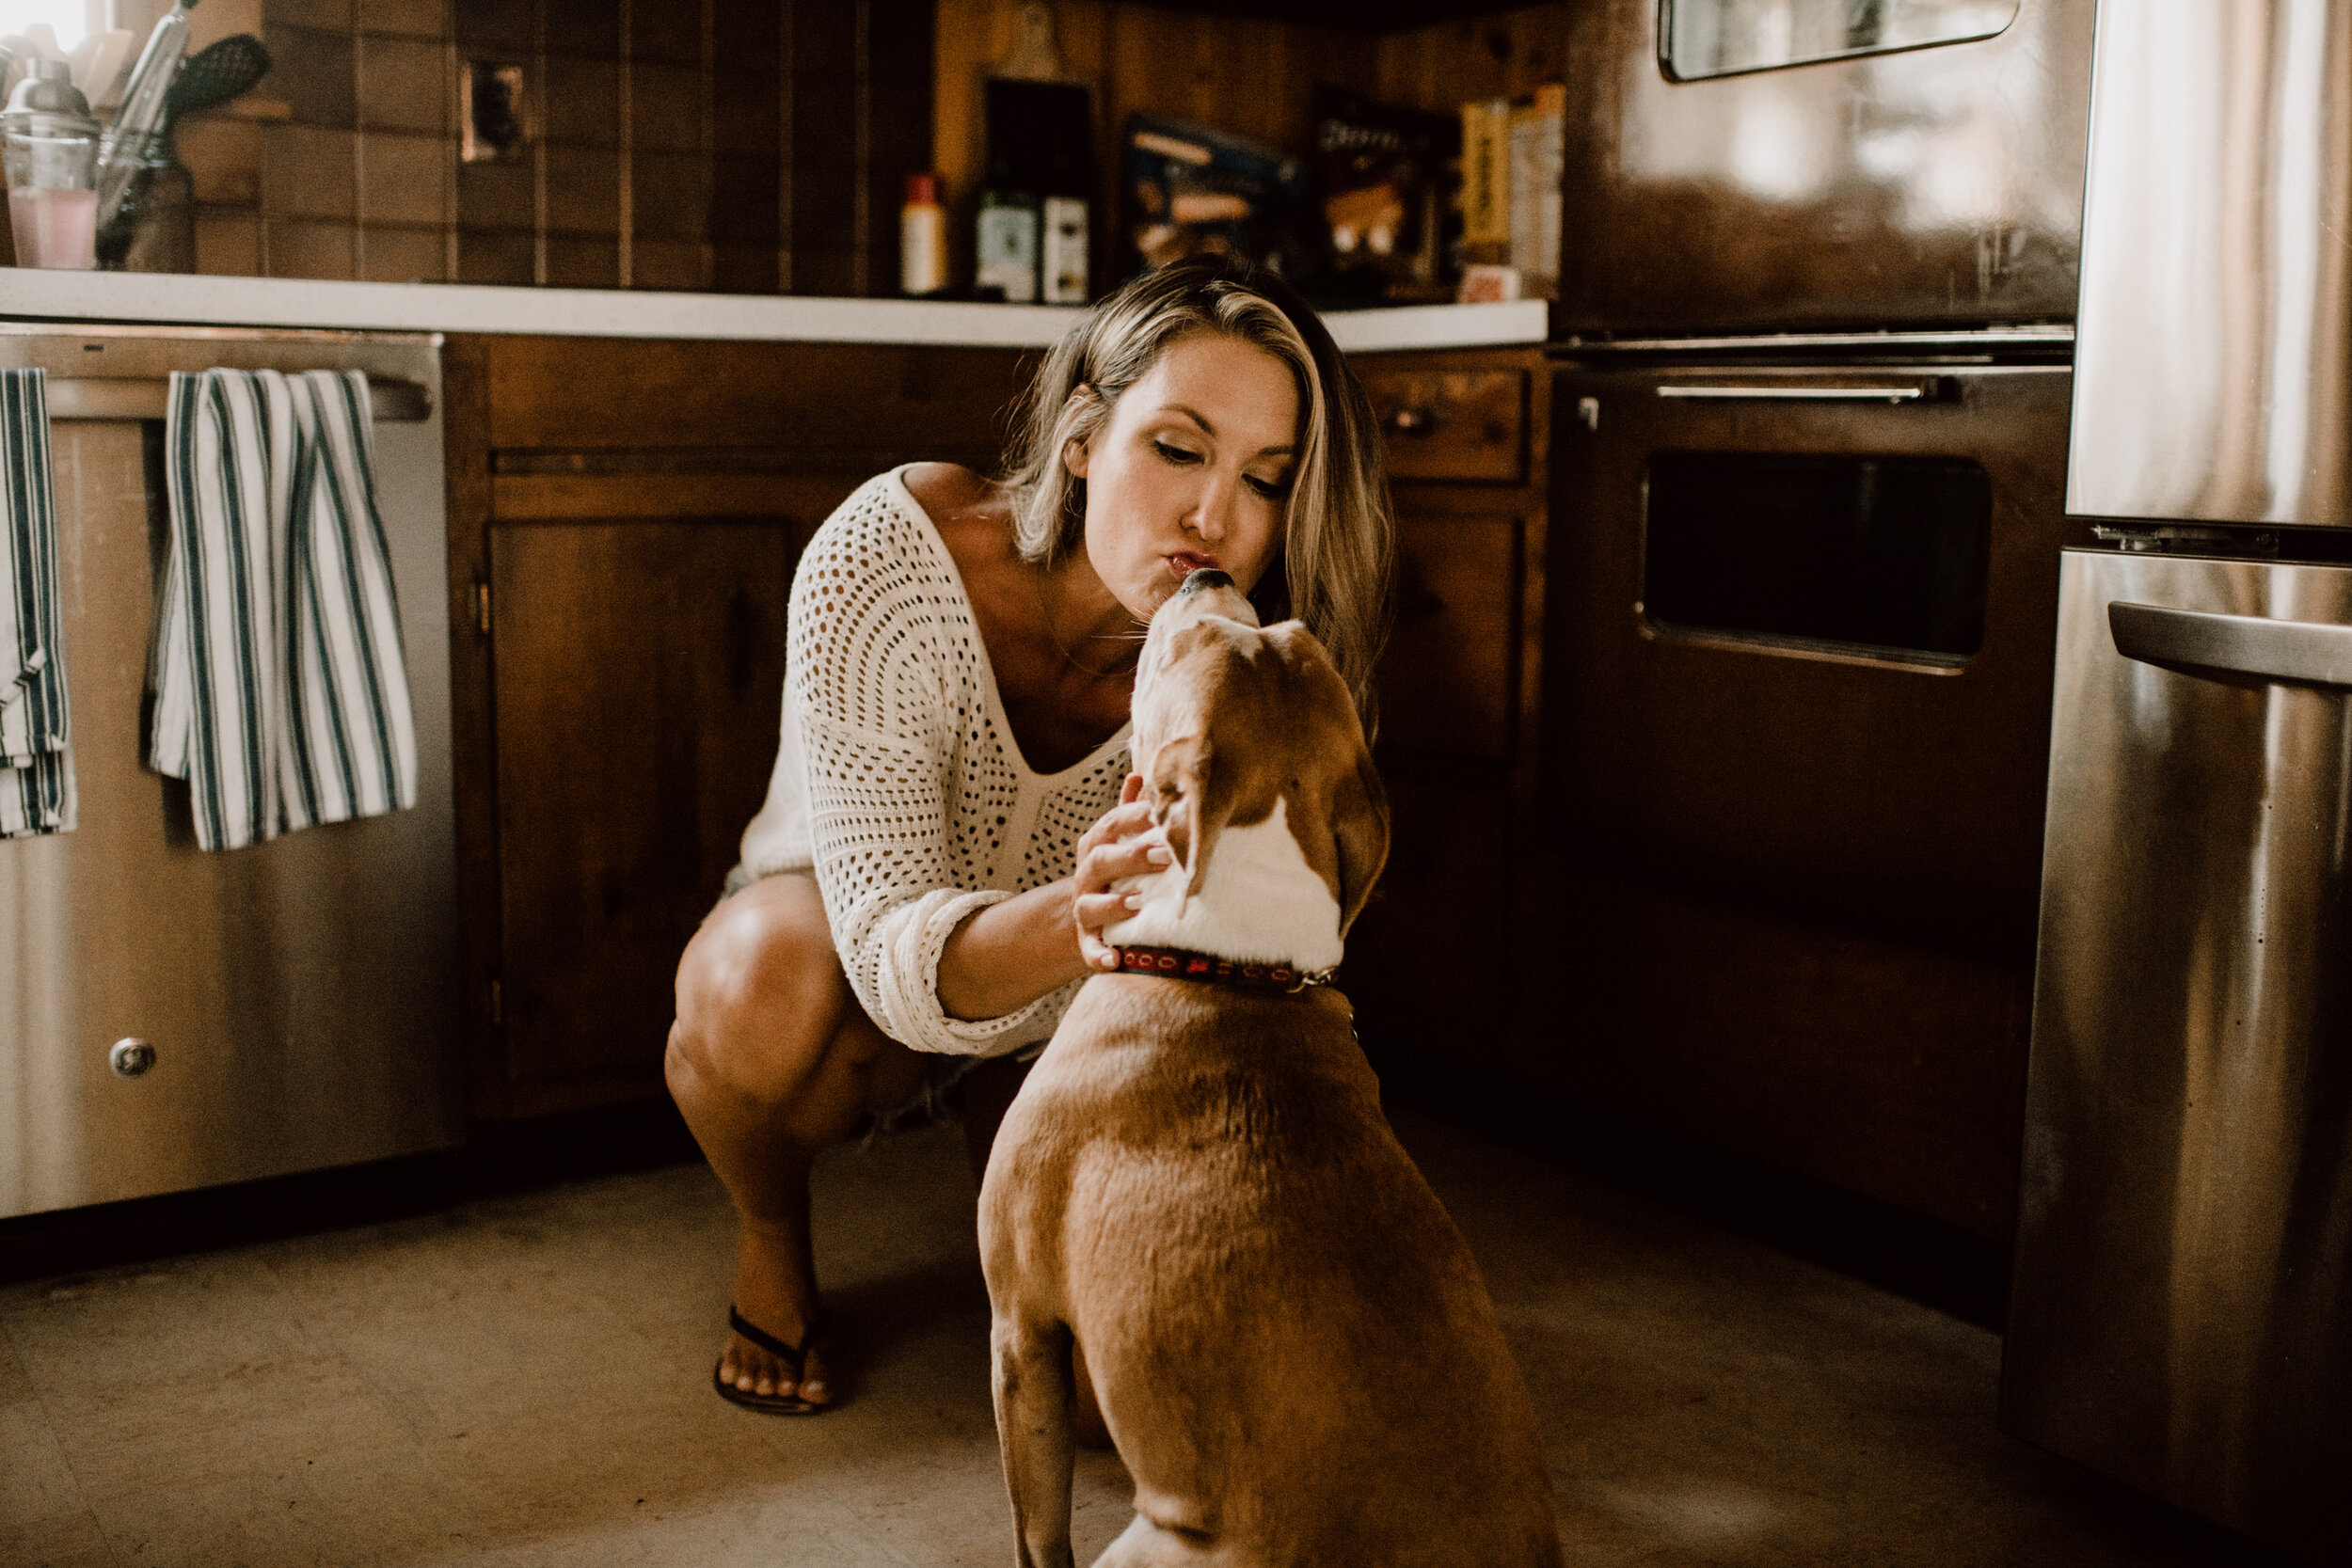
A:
x: 282, y: 690
x: 36, y: 764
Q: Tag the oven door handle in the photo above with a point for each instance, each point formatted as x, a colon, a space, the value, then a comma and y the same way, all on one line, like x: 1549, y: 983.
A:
x: 2218, y: 647
x: 1795, y: 395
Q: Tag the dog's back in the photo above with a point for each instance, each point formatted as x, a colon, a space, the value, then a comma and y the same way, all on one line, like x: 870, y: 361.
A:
x: 1294, y: 1350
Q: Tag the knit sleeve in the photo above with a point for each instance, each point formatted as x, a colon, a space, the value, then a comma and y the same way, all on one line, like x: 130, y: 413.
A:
x: 880, y: 663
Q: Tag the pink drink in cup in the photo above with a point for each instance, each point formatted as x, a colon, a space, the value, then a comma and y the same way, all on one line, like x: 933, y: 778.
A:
x: 54, y: 228
x: 49, y: 143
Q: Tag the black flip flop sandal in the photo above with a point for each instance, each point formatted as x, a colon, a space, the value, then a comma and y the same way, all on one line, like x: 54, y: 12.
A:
x: 794, y: 1356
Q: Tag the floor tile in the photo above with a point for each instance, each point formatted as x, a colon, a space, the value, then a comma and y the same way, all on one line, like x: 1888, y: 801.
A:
x: 252, y: 1521
x: 66, y: 1541
x: 36, y: 1485
x: 197, y: 1316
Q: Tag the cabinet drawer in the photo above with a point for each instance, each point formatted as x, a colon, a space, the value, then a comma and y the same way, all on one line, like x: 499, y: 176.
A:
x: 1453, y: 424
x: 1449, y: 681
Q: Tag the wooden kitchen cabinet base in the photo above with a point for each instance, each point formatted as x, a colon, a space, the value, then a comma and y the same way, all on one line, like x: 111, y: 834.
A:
x: 639, y: 674
x: 624, y: 521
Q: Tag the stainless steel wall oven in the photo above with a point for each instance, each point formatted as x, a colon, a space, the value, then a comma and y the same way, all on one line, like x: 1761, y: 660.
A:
x: 1814, y: 330
x: 1798, y: 696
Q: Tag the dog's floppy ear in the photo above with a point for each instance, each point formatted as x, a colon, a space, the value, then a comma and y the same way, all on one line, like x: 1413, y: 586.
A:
x: 1183, y: 788
x: 1360, y: 823
x: 1357, y: 813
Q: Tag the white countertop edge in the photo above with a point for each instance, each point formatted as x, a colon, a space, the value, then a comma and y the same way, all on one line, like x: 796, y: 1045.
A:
x: 208, y: 301
x: 1397, y: 328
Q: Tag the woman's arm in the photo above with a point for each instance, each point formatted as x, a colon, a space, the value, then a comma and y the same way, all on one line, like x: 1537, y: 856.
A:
x: 1005, y: 955
x: 874, y: 718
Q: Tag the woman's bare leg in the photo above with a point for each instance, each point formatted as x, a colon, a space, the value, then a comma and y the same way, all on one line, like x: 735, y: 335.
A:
x: 770, y: 1061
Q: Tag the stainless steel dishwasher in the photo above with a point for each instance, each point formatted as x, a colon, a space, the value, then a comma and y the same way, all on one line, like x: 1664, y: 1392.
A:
x: 297, y: 998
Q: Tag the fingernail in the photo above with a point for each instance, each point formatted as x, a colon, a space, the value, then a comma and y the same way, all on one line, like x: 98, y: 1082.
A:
x: 1134, y: 900
x: 1160, y: 854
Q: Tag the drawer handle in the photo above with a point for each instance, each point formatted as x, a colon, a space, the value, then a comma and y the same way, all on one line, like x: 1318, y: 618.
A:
x: 2199, y: 643
x: 1416, y: 421
x: 1796, y: 394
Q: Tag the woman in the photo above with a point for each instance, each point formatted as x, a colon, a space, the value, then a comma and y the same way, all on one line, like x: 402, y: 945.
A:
x: 926, y: 882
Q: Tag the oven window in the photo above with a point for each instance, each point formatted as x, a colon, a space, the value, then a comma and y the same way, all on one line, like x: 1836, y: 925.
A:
x: 1723, y: 37
x: 1878, y: 556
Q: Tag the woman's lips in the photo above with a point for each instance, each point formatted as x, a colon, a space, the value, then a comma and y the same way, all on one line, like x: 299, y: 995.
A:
x: 1184, y: 562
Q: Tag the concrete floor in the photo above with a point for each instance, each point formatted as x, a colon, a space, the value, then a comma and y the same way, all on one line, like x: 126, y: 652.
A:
x: 526, y: 1382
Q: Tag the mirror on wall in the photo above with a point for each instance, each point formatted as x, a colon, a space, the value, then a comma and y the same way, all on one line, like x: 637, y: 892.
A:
x: 1698, y: 39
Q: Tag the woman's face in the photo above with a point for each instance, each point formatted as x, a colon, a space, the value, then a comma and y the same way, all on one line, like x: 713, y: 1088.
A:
x: 1192, y: 469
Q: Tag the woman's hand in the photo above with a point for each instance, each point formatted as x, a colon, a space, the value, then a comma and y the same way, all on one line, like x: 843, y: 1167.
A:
x: 1106, y: 852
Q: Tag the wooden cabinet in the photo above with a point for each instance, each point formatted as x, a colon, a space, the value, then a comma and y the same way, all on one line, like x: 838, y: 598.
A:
x: 1433, y: 965
x: 637, y: 671
x: 624, y: 521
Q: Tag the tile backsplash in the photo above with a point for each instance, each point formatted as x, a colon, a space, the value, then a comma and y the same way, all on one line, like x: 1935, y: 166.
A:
x: 744, y: 146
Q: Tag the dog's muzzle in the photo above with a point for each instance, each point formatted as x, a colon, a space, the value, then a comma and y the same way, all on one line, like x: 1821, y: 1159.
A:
x: 1207, y: 577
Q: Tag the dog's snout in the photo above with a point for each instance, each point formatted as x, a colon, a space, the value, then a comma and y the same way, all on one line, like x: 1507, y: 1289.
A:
x: 1207, y: 577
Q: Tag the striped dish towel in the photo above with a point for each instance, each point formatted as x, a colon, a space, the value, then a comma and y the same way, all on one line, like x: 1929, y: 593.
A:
x: 281, y: 691
x: 35, y: 767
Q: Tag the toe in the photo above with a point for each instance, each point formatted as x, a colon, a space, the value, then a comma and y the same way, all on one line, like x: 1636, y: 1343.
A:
x: 813, y: 1384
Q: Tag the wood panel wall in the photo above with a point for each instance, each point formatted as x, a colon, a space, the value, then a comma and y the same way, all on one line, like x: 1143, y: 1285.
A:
x: 1243, y: 74
x: 1505, y: 55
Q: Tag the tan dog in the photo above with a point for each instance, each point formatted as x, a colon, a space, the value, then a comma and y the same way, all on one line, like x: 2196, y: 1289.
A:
x: 1291, y: 1347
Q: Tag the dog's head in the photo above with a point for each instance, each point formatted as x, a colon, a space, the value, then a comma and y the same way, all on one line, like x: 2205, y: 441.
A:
x: 1232, y: 717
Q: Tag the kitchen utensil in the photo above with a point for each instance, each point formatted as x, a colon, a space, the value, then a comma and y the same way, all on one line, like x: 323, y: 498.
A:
x: 124, y: 150
x: 216, y: 73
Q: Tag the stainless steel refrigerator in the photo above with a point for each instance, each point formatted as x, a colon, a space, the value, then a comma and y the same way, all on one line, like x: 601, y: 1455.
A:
x: 2182, y: 1312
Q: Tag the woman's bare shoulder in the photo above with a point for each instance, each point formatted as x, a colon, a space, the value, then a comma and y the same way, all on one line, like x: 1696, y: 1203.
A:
x: 949, y: 490
x: 972, y: 513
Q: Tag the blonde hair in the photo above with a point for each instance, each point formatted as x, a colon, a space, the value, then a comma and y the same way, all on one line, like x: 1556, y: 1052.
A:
x: 1336, y: 560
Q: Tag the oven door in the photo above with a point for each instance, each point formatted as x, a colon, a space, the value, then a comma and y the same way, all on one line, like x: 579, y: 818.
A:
x: 1797, y: 694
x: 1803, y: 624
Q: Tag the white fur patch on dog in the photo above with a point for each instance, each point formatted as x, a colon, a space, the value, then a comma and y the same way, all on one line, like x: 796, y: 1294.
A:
x: 1261, y: 903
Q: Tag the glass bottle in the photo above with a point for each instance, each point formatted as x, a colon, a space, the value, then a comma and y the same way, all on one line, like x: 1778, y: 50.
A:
x: 154, y: 227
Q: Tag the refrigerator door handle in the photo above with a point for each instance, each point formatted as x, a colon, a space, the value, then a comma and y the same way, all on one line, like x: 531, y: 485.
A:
x: 2213, y: 646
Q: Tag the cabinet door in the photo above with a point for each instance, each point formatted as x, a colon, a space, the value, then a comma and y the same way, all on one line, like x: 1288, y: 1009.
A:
x: 638, y: 678
x: 1425, y: 962
x: 1448, y: 680
x: 1429, y: 962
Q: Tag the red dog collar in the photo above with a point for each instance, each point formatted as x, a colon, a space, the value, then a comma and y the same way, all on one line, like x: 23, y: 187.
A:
x: 1177, y: 963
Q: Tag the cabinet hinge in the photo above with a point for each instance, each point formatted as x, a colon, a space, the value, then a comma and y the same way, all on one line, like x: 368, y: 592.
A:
x: 498, y: 1005
x: 481, y: 606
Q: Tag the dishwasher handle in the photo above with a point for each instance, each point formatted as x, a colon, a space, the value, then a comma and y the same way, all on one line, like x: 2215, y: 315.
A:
x: 93, y: 397
x: 2215, y: 646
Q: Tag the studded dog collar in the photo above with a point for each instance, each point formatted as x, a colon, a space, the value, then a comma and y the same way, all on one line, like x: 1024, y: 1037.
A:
x: 1179, y: 963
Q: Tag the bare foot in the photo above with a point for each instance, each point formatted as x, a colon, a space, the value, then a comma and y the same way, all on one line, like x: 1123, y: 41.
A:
x: 776, y: 1290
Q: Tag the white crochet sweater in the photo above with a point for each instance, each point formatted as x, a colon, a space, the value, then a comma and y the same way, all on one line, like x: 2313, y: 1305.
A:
x: 896, y: 775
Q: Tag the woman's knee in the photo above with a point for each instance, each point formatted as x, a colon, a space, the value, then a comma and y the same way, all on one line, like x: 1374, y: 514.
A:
x: 759, y: 992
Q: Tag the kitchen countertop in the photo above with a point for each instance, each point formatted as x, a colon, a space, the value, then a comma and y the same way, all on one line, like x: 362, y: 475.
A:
x: 207, y: 301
